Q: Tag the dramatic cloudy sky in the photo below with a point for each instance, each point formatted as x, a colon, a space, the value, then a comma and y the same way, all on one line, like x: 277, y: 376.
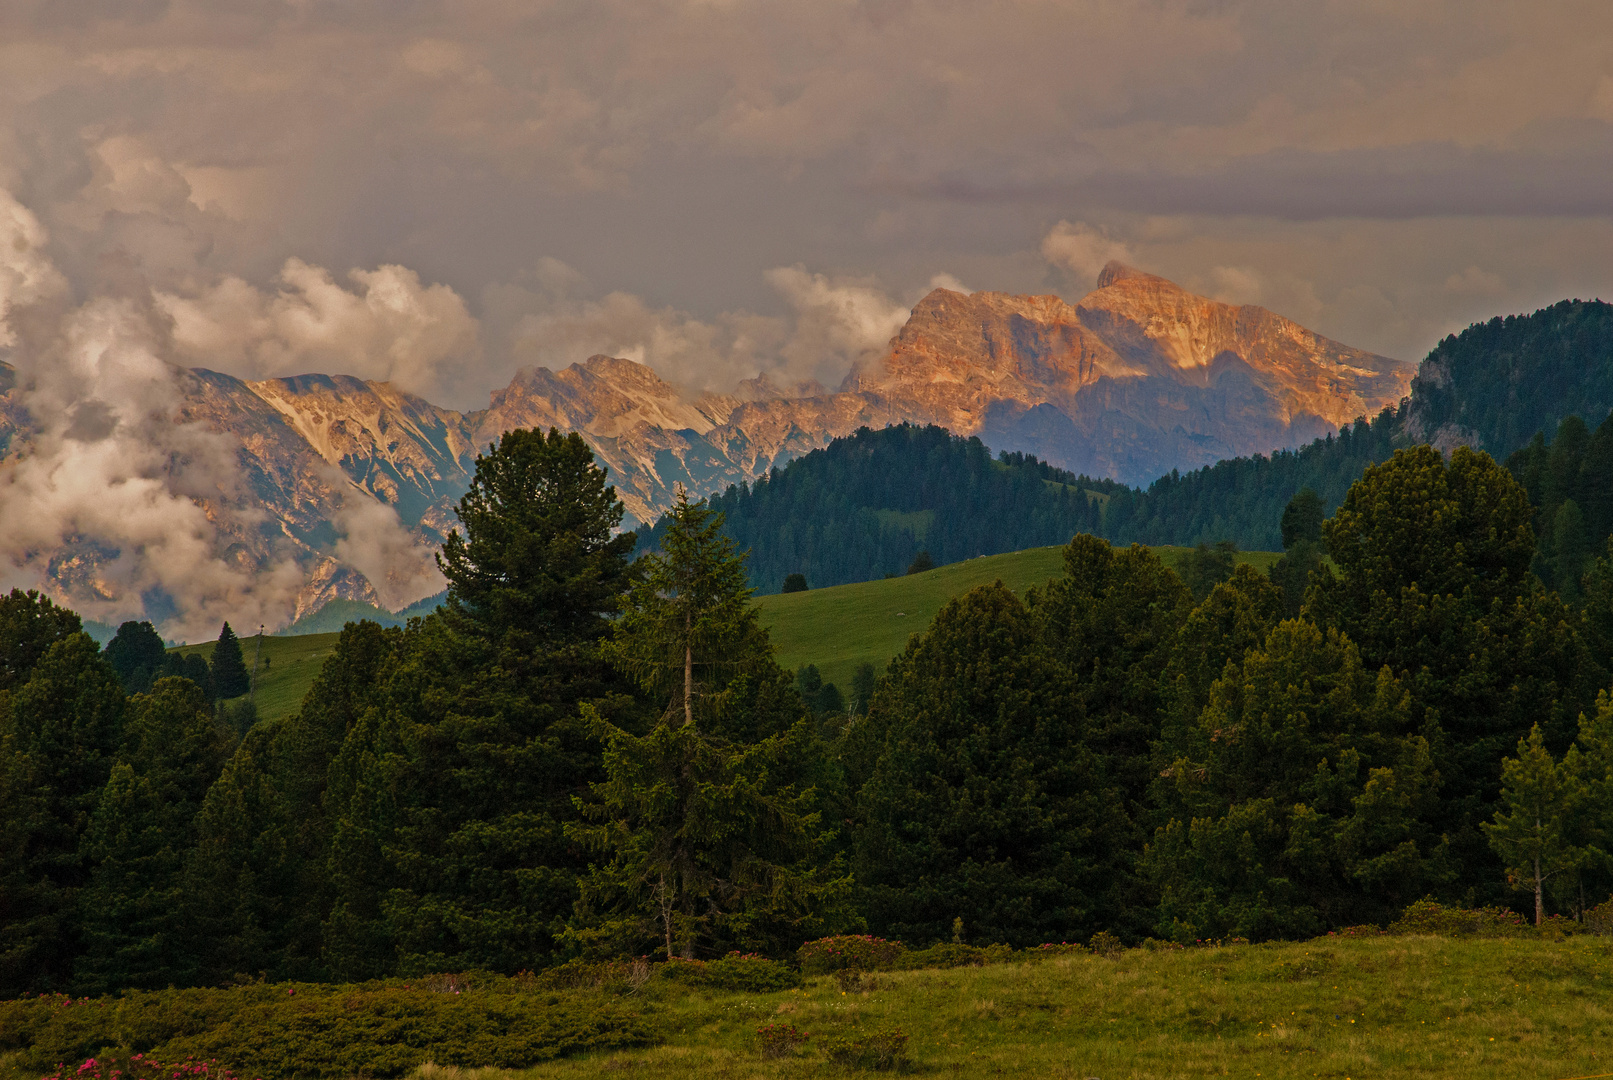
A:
x: 440, y: 192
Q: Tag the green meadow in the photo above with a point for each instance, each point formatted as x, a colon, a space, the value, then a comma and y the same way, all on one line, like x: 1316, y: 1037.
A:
x: 1346, y: 1008
x: 286, y: 668
x: 835, y: 628
x: 839, y: 627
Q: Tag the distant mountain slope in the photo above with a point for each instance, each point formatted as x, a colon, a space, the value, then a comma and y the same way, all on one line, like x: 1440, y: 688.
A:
x: 1495, y: 386
x: 1497, y: 383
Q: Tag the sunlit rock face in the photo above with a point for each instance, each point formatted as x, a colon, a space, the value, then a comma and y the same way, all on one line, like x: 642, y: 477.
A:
x: 343, y: 488
x: 1136, y: 379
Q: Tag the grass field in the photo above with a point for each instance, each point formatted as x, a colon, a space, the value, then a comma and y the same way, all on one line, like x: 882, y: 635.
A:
x: 835, y: 628
x: 292, y: 664
x: 1346, y: 1008
x: 839, y: 627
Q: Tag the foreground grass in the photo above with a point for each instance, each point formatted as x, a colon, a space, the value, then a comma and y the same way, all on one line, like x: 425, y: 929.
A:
x: 1377, y: 1006
x: 842, y: 626
x: 1350, y: 1008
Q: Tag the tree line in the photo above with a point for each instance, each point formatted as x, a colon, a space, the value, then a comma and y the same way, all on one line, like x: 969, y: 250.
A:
x: 586, y: 754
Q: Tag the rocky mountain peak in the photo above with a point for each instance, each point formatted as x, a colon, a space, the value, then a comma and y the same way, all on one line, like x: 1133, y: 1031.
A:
x: 1115, y: 271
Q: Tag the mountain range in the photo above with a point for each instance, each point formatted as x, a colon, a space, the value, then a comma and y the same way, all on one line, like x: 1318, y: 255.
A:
x: 1137, y: 378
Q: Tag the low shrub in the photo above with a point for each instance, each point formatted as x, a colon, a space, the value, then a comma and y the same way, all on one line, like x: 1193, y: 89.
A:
x: 1054, y: 948
x: 1599, y: 919
x: 375, y: 1029
x: 951, y: 954
x: 141, y: 1067
x: 884, y: 1049
x: 1431, y: 917
x: 736, y: 971
x: 852, y: 981
x: 1107, y: 944
x: 781, y: 1040
x: 861, y: 951
x: 608, y: 976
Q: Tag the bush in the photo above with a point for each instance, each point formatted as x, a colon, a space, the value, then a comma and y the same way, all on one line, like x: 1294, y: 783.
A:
x: 861, y: 951
x: 1107, y: 944
x: 1599, y: 919
x: 736, y: 971
x: 951, y: 954
x: 794, y: 583
x: 781, y: 1040
x: 884, y: 1049
x: 376, y: 1029
x: 1431, y: 917
x: 609, y: 976
x: 141, y: 1067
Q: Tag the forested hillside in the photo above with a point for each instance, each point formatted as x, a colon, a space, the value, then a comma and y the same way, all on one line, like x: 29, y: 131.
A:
x: 866, y: 506
x: 580, y: 757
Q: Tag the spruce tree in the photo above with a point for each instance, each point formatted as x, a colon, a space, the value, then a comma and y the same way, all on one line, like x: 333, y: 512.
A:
x: 708, y: 844
x: 461, y: 777
x: 981, y: 799
x: 137, y: 930
x: 137, y: 654
x: 688, y: 628
x: 59, y: 733
x: 1531, y: 831
x: 228, y: 666
x: 1432, y: 581
x: 261, y: 875
x: 29, y: 625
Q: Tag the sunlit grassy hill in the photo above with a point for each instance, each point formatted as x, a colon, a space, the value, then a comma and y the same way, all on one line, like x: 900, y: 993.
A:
x: 869, y: 622
x: 835, y: 628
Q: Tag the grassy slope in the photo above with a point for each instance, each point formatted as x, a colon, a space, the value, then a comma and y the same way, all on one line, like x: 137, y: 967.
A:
x: 835, y: 628
x: 840, y: 627
x: 1373, y: 1007
x: 293, y: 662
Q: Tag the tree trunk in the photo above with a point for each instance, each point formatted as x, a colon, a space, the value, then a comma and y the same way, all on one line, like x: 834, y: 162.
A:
x: 666, y: 915
x: 1539, y: 904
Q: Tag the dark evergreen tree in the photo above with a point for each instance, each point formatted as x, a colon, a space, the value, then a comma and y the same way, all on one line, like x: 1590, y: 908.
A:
x: 1303, y: 799
x: 137, y: 654
x: 794, y: 583
x: 862, y: 688
x: 1205, y: 567
x: 1433, y: 583
x: 260, y: 881
x: 59, y: 733
x: 29, y: 625
x: 135, y: 910
x: 462, y: 779
x: 1302, y: 547
x: 921, y: 562
x: 709, y: 844
x: 230, y: 676
x: 982, y: 800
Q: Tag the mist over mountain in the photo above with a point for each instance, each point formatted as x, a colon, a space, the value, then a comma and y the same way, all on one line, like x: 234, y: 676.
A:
x: 188, y: 495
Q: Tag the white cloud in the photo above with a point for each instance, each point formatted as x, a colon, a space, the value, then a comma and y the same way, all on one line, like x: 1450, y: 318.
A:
x: 1082, y: 250
x: 387, y: 327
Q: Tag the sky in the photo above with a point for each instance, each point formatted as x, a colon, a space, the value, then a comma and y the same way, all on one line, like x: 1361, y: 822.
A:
x: 440, y: 193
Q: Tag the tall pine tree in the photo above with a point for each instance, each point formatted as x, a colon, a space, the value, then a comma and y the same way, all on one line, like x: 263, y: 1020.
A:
x: 708, y: 844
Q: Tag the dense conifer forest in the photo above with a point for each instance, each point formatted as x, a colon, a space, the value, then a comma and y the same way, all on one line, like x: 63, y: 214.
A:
x: 870, y: 504
x: 583, y: 755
